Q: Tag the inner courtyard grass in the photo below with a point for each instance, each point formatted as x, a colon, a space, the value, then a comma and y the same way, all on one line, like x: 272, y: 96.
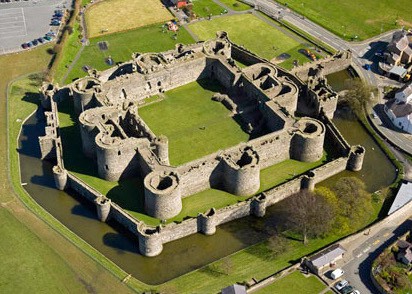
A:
x: 111, y: 16
x: 121, y: 46
x: 294, y: 283
x: 351, y: 18
x: 253, y: 33
x: 194, y: 124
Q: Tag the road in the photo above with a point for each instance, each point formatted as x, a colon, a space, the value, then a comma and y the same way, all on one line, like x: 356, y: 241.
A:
x: 357, y: 270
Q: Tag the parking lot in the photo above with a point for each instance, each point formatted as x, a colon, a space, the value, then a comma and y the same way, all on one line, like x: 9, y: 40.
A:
x: 22, y: 22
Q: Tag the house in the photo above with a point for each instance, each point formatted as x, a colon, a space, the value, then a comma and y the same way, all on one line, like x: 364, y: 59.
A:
x: 234, y: 289
x: 403, y: 197
x: 324, y: 260
x: 179, y: 3
x: 404, y: 254
x: 398, y: 54
x: 399, y: 50
x: 399, y: 109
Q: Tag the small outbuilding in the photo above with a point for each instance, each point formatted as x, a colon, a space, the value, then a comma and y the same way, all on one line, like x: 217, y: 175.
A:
x: 234, y: 289
x: 326, y: 259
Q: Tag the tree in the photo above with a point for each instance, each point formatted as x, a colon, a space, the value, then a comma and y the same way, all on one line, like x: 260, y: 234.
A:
x: 357, y: 97
x: 354, y: 201
x: 309, y: 214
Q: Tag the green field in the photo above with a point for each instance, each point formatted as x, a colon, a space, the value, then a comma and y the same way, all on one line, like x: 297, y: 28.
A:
x: 254, y: 34
x: 121, y: 46
x: 203, y: 8
x: 188, y: 114
x: 294, y: 283
x: 236, y: 5
x: 351, y: 18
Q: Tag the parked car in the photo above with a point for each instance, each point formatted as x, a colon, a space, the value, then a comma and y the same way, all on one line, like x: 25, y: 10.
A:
x: 41, y: 40
x: 48, y: 38
x: 339, y: 286
x: 347, y: 290
x: 24, y: 46
x: 355, y: 292
x: 29, y: 44
x: 337, y: 273
x: 55, y: 23
x: 35, y: 42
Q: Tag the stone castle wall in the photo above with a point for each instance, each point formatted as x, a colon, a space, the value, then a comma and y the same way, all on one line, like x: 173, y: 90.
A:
x: 339, y: 61
x: 124, y: 145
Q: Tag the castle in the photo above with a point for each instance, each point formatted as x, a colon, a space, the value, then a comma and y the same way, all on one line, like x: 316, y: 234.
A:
x: 262, y: 94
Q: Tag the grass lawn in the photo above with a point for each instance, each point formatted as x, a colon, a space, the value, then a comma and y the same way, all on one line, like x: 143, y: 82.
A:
x: 256, y: 261
x: 254, y: 34
x: 122, y: 45
x: 68, y: 53
x: 120, y: 15
x: 351, y: 18
x: 294, y: 283
x: 236, y: 5
x: 203, y: 8
x: 189, y: 115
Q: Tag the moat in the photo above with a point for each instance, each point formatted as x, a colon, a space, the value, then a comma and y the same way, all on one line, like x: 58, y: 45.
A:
x: 197, y: 250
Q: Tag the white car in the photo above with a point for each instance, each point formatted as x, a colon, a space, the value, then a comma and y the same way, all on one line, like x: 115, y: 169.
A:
x: 339, y: 286
x: 356, y: 292
x: 337, y: 273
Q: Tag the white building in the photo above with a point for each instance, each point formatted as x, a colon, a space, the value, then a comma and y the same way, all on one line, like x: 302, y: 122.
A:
x: 399, y: 109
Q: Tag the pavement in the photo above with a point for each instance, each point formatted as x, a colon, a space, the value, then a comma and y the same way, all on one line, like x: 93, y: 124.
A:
x: 357, y: 270
x: 25, y: 21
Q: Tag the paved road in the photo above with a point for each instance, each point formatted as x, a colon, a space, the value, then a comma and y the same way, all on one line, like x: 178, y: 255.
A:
x: 357, y: 271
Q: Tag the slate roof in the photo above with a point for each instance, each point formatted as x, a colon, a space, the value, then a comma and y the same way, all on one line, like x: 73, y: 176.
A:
x: 327, y: 256
x: 403, y: 197
x: 234, y: 289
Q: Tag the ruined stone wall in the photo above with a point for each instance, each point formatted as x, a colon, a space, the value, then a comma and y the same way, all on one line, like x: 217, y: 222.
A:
x: 224, y: 73
x: 335, y: 137
x: 138, y: 86
x: 272, y: 148
x: 200, y: 175
x: 245, y: 56
x: 338, y: 62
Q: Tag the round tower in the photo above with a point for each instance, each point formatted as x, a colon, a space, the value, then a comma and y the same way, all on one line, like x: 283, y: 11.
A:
x: 356, y: 155
x: 206, y: 222
x: 83, y: 92
x: 307, y: 141
x: 60, y: 177
x: 259, y: 205
x: 241, y: 172
x: 150, y: 241
x: 102, y: 208
x: 308, y: 181
x: 88, y: 132
x: 162, y: 149
x: 162, y: 194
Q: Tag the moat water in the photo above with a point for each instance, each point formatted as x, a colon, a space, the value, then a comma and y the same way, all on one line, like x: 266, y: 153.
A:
x: 189, y: 253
